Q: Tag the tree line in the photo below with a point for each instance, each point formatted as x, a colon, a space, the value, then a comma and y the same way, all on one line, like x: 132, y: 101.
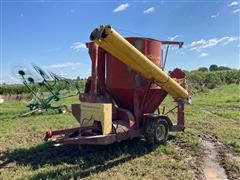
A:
x: 197, y: 80
x: 212, y: 77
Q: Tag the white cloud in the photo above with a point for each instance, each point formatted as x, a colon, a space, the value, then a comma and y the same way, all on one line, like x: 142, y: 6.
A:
x: 202, y: 43
x: 236, y: 10
x: 215, y: 15
x: 121, y: 7
x: 203, y: 54
x: 149, y: 10
x: 173, y: 38
x: 10, y: 79
x: 63, y: 65
x: 78, y: 46
x: 231, y: 39
x: 234, y: 3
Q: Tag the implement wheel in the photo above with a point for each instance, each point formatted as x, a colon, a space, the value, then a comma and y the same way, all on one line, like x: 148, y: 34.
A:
x: 156, y: 131
x: 62, y: 110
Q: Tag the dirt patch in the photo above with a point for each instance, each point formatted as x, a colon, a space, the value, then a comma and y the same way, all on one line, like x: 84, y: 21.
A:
x: 212, y: 168
x: 234, y: 158
x: 219, y: 161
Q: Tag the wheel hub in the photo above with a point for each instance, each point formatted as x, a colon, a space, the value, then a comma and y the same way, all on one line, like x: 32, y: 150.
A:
x: 160, y: 132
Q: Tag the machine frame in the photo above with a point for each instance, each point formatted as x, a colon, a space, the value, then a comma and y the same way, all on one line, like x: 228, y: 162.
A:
x: 129, y: 124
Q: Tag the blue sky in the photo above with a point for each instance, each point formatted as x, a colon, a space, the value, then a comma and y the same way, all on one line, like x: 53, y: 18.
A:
x: 51, y: 34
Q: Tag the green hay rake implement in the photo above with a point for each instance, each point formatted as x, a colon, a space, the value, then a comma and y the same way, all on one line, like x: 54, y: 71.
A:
x: 50, y: 89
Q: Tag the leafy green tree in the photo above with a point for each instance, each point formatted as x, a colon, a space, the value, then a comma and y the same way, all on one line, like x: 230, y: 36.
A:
x: 213, y: 67
x: 204, y: 69
x: 222, y: 68
x: 212, y: 80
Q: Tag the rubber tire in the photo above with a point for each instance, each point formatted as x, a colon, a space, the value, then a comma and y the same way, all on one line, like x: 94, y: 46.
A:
x: 59, y: 111
x: 151, y: 129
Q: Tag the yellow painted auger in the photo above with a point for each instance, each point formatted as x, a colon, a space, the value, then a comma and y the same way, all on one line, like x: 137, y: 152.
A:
x: 110, y: 40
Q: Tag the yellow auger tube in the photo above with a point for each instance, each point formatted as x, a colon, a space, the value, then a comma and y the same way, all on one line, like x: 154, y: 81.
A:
x: 107, y: 38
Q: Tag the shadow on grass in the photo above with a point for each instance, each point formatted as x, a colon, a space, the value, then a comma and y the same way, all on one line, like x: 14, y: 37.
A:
x: 90, y: 159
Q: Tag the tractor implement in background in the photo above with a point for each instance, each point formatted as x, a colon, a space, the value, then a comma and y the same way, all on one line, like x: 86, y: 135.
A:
x: 126, y: 87
x: 48, y: 90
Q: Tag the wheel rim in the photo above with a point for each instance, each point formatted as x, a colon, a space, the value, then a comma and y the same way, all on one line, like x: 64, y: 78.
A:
x: 160, y: 132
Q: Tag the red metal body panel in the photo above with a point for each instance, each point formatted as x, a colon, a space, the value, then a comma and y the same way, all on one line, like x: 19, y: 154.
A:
x: 122, y: 81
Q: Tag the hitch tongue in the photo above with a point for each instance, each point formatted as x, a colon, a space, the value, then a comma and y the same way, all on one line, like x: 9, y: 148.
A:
x: 48, y: 135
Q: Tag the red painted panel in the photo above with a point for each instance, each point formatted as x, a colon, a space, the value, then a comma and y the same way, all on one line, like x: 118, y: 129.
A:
x: 121, y: 80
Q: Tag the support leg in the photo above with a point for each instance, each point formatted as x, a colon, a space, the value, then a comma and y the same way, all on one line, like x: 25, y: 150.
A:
x: 180, y: 115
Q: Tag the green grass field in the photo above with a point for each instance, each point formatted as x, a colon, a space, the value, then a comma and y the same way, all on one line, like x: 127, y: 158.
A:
x: 214, y: 114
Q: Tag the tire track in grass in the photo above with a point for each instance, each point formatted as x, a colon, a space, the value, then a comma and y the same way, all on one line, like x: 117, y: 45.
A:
x: 212, y: 168
x: 218, y: 161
